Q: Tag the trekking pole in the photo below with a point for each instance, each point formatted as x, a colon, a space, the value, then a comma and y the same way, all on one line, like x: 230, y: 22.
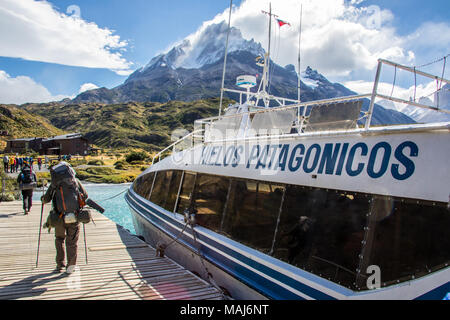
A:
x: 85, y: 246
x: 39, y: 239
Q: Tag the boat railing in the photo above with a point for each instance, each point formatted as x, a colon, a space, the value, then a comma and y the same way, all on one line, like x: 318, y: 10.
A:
x: 291, y: 118
x: 189, y: 140
x: 281, y: 121
x: 415, y: 71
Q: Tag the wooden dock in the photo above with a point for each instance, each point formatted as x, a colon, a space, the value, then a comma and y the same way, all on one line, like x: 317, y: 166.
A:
x: 120, y: 266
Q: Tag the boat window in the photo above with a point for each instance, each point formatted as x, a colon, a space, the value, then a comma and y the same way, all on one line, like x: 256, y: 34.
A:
x: 185, y: 194
x: 224, y: 128
x: 406, y: 240
x: 161, y: 187
x: 335, y: 116
x: 252, y: 213
x: 173, y: 186
x: 321, y: 231
x: 143, y: 185
x: 210, y: 197
x: 280, y: 121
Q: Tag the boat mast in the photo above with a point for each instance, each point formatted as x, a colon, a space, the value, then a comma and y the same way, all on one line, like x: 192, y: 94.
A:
x: 299, y: 42
x: 225, y: 60
x: 267, y: 64
x: 263, y: 91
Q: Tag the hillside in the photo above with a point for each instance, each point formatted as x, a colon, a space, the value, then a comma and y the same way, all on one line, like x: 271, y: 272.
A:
x: 21, y: 124
x: 140, y: 125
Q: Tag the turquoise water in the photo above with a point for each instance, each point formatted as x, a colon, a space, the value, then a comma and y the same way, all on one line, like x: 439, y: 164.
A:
x: 116, y: 209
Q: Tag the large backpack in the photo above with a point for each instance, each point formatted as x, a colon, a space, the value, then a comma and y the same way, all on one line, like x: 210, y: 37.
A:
x: 67, y: 195
x: 27, y: 176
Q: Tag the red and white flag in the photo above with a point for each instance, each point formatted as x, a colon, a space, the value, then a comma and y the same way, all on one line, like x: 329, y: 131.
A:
x: 282, y: 23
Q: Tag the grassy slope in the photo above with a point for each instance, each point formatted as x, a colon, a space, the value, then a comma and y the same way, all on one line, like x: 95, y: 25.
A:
x: 21, y: 124
x: 139, y: 125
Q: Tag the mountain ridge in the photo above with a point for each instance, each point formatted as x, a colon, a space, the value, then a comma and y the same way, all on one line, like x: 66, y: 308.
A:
x: 192, y: 70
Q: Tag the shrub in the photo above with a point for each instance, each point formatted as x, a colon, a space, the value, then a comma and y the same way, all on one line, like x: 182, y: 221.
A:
x: 96, y: 163
x: 136, y: 156
x: 121, y: 165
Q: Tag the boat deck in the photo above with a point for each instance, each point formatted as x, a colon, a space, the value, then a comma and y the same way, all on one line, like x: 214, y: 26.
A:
x: 119, y: 265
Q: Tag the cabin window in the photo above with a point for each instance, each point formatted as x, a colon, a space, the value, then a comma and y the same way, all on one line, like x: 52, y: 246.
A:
x: 143, y: 185
x: 165, y: 189
x: 321, y: 231
x: 252, y: 213
x: 161, y: 187
x: 173, y: 186
x: 210, y: 197
x: 186, y: 190
x: 406, y: 239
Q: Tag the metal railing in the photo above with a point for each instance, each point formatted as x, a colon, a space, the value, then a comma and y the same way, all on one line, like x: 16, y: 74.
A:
x: 203, y: 127
x: 192, y: 135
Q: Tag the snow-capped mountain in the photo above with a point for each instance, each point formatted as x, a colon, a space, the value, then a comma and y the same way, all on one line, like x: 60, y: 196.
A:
x: 208, y: 48
x: 193, y: 69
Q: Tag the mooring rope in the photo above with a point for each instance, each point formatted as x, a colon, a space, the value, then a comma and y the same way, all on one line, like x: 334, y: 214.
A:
x: 113, y: 196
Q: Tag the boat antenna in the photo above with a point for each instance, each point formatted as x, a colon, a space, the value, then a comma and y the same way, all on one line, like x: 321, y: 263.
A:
x: 225, y: 60
x: 299, y: 43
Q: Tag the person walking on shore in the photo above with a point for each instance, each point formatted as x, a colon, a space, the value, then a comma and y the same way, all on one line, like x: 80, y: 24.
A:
x: 5, y: 163
x: 67, y: 195
x: 27, y: 182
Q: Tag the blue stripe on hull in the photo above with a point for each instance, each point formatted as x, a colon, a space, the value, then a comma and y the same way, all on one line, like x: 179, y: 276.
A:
x: 437, y: 294
x: 216, y: 253
x: 246, y: 275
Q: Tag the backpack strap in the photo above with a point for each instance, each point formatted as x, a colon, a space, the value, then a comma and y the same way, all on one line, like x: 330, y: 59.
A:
x: 64, y: 204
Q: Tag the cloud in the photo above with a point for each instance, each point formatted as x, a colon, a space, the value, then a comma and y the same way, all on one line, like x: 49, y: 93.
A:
x: 34, y: 30
x: 87, y: 86
x: 22, y: 89
x: 340, y: 38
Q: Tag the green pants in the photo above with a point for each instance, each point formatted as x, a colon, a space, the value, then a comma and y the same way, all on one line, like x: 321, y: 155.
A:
x: 69, y: 233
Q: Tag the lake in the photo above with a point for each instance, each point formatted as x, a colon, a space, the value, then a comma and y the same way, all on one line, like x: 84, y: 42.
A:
x: 116, y: 208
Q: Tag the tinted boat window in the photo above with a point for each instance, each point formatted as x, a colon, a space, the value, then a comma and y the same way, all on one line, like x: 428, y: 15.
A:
x: 252, y: 213
x: 142, y: 186
x: 173, y: 186
x: 186, y: 190
x: 210, y: 198
x: 406, y: 240
x: 161, y: 187
x: 321, y: 231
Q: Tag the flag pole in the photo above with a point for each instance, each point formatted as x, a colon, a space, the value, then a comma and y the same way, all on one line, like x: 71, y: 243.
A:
x: 225, y: 60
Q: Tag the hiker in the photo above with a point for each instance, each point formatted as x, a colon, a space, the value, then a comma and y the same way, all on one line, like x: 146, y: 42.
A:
x: 20, y: 161
x: 11, y: 164
x: 27, y: 182
x: 5, y: 163
x: 67, y: 196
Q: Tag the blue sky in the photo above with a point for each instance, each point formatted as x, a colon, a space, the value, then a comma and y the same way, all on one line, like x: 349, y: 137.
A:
x: 49, y: 52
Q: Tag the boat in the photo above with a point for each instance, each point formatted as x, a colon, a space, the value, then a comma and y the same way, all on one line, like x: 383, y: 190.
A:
x: 282, y: 199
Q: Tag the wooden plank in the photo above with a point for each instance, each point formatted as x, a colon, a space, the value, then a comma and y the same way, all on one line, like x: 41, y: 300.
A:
x: 121, y: 266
